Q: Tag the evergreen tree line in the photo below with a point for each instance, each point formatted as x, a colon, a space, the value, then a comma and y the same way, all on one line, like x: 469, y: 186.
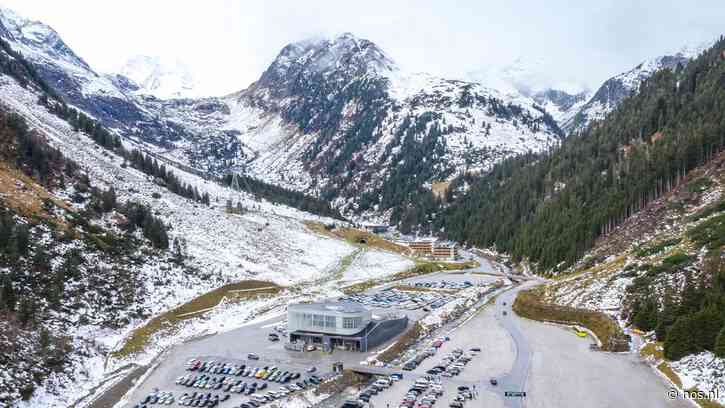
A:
x: 146, y: 164
x: 281, y: 195
x: 150, y: 166
x: 13, y: 63
x: 82, y: 123
x: 413, y: 168
x: 94, y: 129
x: 138, y: 216
x: 14, y: 238
x: 550, y: 207
x: 153, y: 228
x: 690, y: 321
x: 27, y: 150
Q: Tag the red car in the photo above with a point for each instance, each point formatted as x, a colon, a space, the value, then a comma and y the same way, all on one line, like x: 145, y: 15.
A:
x: 437, y: 344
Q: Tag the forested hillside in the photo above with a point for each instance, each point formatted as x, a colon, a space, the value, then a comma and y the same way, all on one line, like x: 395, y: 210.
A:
x: 550, y: 208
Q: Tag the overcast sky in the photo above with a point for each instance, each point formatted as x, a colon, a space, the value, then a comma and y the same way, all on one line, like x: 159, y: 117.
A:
x: 228, y: 44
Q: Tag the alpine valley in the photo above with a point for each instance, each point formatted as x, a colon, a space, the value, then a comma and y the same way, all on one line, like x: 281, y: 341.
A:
x: 136, y: 215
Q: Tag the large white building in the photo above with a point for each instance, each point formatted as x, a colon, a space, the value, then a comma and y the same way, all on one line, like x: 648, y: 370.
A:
x: 331, y: 318
x: 343, y: 325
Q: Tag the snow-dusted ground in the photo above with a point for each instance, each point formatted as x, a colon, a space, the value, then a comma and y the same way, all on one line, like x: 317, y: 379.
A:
x: 269, y: 242
x: 375, y: 264
x: 703, y: 371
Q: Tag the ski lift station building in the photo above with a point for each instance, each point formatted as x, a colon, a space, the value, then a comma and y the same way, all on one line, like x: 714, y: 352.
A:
x: 341, y: 325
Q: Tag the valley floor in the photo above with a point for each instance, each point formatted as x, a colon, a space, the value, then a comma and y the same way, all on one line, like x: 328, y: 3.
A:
x: 555, y: 367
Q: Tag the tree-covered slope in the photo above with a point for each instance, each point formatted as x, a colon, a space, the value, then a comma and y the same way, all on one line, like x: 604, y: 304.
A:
x: 550, y: 208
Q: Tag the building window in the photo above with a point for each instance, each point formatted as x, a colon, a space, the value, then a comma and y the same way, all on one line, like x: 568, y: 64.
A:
x: 330, y: 322
x: 305, y: 318
x: 318, y: 321
x: 351, y: 322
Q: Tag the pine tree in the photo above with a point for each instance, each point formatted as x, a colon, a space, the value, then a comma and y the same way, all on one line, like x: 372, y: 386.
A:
x: 680, y: 341
x: 26, y: 313
x: 108, y: 200
x: 22, y: 239
x: 8, y: 296
x: 720, y: 344
x: 44, y: 339
x: 706, y: 326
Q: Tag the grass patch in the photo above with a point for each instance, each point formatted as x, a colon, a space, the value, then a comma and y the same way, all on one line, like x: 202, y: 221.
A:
x: 656, y: 247
x: 708, y: 211
x: 669, y: 373
x: 28, y: 198
x: 699, y: 185
x: 652, y: 350
x: 705, y: 403
x: 440, y: 188
x: 710, y: 233
x: 346, y: 262
x: 357, y: 237
x: 426, y: 267
x: 529, y: 305
x: 360, y: 286
x: 675, y: 259
x: 600, y: 269
x: 237, y: 291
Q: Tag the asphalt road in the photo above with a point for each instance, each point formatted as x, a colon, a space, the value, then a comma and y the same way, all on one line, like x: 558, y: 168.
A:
x: 552, y: 365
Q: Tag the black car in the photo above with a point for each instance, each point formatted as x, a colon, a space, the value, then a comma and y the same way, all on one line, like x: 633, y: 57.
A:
x: 493, y: 381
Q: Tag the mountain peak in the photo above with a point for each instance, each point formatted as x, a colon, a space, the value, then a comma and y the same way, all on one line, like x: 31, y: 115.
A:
x: 320, y: 55
x: 159, y: 77
x: 35, y: 36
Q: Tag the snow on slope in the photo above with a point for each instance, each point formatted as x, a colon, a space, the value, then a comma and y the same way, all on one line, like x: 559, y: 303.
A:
x: 269, y: 243
x: 375, y: 264
x: 236, y: 246
x: 703, y: 371
x: 42, y: 45
x: 326, y: 106
x: 307, y: 120
x: 162, y: 79
x: 615, y: 89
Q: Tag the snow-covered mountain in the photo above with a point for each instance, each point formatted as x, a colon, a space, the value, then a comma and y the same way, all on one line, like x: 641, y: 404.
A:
x: 160, y: 78
x: 337, y: 117
x: 334, y: 117
x: 111, y: 99
x: 615, y: 89
x: 560, y: 104
x: 531, y: 78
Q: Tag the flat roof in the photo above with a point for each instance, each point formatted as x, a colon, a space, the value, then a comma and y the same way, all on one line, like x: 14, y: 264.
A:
x: 341, y: 307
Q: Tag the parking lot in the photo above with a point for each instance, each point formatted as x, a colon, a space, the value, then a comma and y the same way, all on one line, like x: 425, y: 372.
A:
x: 210, y: 382
x: 172, y: 382
x: 481, y: 339
x: 400, y: 299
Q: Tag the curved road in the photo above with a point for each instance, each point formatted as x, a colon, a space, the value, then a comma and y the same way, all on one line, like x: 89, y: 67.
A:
x: 515, y: 380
